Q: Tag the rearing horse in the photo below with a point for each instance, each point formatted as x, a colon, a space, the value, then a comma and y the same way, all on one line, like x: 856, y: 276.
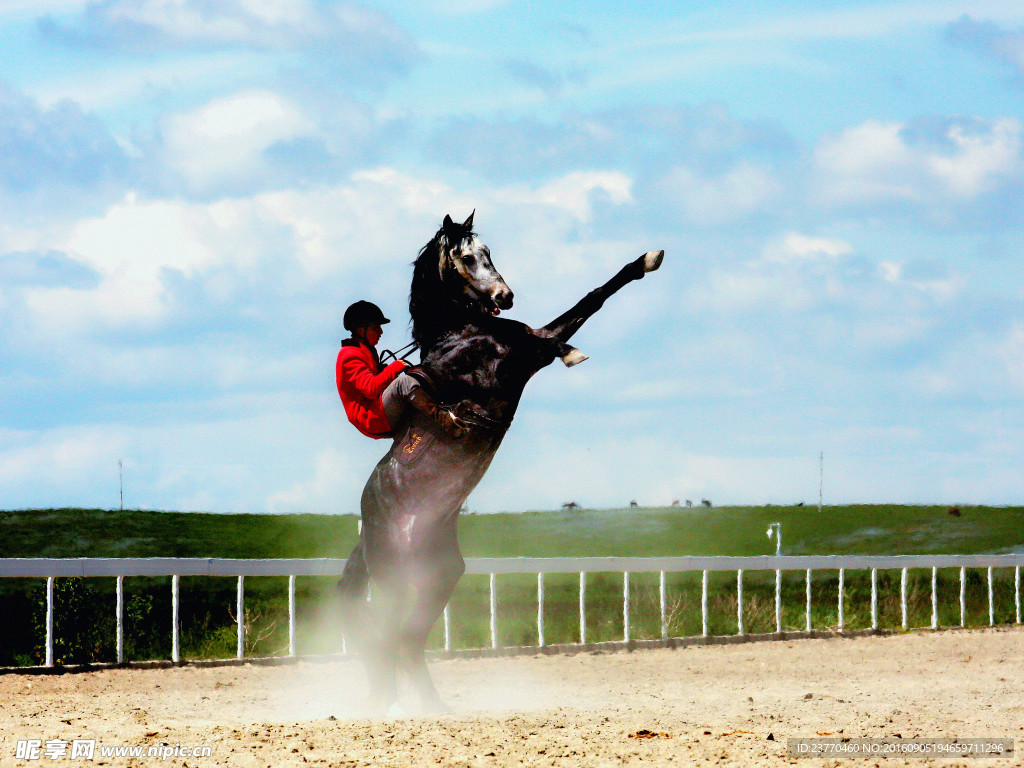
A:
x: 477, y: 363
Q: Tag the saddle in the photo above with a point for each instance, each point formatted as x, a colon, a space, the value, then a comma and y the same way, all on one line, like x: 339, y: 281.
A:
x: 426, y: 380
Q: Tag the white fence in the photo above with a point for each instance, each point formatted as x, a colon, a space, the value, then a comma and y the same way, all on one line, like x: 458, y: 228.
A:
x: 51, y: 568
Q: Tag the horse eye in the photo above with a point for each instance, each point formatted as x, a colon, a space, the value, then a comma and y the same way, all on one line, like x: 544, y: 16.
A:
x: 468, y: 260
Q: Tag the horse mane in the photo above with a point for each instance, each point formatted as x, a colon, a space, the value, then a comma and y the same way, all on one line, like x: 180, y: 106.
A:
x: 434, y: 308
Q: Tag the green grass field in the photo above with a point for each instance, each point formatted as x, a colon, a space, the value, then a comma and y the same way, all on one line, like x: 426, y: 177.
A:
x: 84, y: 606
x: 644, y: 532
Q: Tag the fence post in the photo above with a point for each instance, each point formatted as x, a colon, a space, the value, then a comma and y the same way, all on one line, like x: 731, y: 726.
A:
x: 963, y: 597
x: 778, y: 600
x: 49, y: 621
x: 1016, y: 590
x: 583, y: 607
x: 842, y: 586
x: 240, y: 613
x: 175, y: 647
x: 903, y: 597
x: 739, y: 602
x: 291, y: 615
x: 661, y: 603
x: 935, y: 598
x: 808, y: 599
x: 120, y: 620
x: 874, y: 598
x: 494, y: 614
x: 704, y: 603
x: 991, y: 604
x: 540, y: 609
x: 625, y: 606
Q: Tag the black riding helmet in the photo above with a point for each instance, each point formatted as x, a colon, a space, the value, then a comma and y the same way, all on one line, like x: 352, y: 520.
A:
x: 363, y: 314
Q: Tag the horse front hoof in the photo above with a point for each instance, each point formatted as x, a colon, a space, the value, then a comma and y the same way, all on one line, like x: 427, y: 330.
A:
x: 396, y: 710
x: 575, y: 357
x: 652, y: 260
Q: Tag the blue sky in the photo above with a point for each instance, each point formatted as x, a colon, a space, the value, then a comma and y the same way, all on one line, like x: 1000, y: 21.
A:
x: 193, y: 191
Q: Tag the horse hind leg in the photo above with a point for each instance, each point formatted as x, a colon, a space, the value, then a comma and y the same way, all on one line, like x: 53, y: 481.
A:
x: 435, y: 588
x: 377, y: 656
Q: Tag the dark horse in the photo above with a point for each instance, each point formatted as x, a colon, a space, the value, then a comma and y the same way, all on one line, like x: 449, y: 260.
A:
x: 478, y: 364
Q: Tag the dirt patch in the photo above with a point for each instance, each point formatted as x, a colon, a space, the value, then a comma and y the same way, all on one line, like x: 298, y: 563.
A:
x: 721, y: 705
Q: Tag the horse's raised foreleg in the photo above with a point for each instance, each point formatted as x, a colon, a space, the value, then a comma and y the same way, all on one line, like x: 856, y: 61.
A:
x: 565, y: 325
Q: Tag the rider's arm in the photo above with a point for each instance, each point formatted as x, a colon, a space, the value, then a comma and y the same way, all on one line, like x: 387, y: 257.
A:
x: 370, y: 384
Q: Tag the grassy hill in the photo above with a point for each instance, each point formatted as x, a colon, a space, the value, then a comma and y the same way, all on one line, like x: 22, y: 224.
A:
x: 859, y: 529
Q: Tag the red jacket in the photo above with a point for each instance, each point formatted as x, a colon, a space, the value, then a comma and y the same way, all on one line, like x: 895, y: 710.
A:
x: 361, y: 383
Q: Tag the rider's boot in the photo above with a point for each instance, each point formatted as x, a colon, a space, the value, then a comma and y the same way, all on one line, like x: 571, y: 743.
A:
x: 448, y: 421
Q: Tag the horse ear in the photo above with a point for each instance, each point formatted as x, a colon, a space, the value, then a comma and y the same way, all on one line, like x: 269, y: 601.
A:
x: 468, y: 223
x: 449, y: 228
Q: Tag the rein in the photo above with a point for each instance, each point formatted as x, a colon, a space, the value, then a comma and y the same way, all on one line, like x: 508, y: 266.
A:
x: 387, y: 355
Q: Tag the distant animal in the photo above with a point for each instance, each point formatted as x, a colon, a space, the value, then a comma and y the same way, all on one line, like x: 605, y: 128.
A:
x: 569, y: 506
x: 633, y: 504
x: 689, y: 502
x: 705, y: 502
x: 954, y: 511
x: 799, y: 503
x: 675, y: 502
x: 478, y: 365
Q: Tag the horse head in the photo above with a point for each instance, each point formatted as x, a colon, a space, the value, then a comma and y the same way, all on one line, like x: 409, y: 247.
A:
x: 465, y: 267
x: 453, y: 280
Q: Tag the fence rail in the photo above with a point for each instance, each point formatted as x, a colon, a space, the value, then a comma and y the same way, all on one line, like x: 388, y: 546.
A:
x: 51, y: 568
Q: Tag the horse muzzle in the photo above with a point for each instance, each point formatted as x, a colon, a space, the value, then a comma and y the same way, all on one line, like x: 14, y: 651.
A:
x: 502, y: 298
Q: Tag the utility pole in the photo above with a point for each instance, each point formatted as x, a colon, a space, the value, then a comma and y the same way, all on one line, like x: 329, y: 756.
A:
x: 821, y: 479
x: 120, y: 473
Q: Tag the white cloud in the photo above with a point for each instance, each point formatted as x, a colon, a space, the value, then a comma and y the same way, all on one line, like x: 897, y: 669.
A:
x: 877, y: 162
x: 220, y: 464
x: 797, y: 247
x: 348, y: 27
x: 793, y: 273
x: 575, y: 192
x: 224, y: 141
x: 130, y: 245
x: 52, y: 466
x: 109, y: 86
x: 333, y: 484
x: 711, y: 200
x: 866, y: 162
x: 980, y: 162
x: 943, y: 287
x: 363, y: 231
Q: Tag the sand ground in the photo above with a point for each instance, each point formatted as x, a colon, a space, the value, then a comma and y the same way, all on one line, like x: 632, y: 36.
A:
x: 706, y: 705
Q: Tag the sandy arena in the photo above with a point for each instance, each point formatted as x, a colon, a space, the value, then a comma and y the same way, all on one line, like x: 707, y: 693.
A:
x: 700, y: 705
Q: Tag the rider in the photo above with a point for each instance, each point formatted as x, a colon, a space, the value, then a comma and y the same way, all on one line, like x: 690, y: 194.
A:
x: 375, y: 397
